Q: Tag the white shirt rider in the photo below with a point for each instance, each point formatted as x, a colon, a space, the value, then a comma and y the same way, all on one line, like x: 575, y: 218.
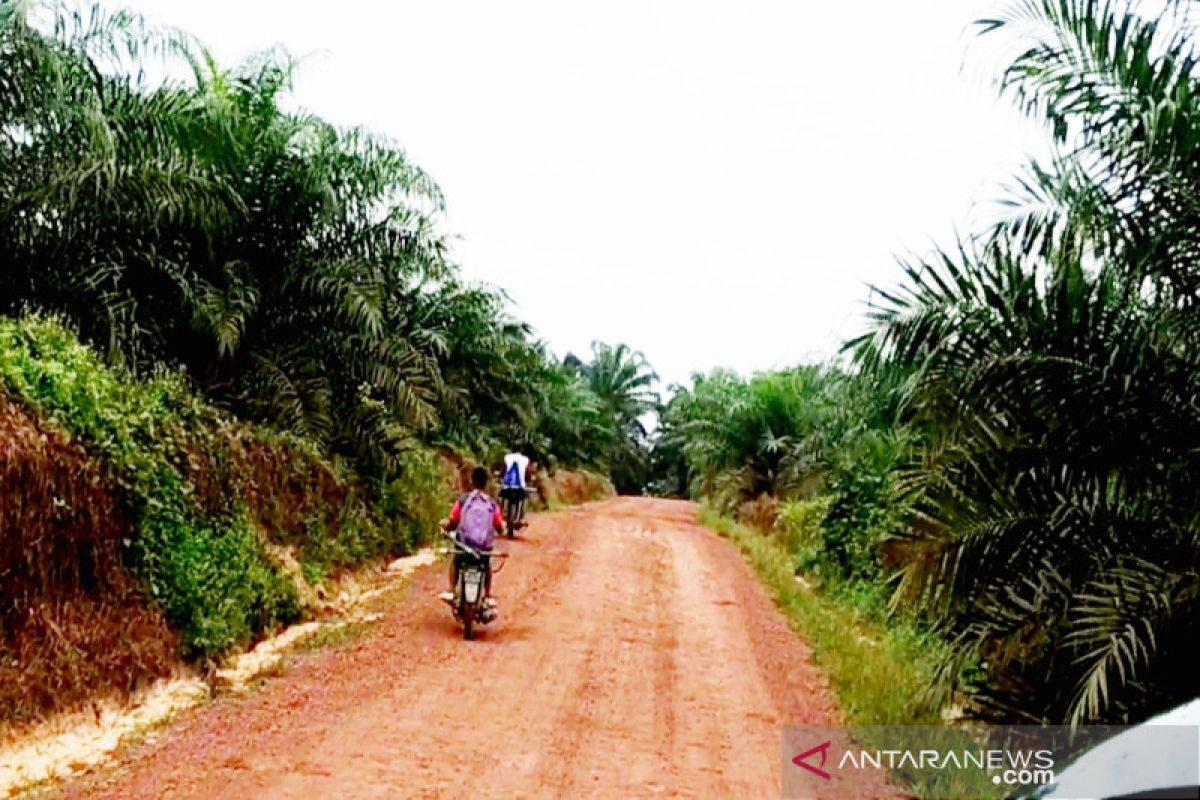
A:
x: 522, y: 462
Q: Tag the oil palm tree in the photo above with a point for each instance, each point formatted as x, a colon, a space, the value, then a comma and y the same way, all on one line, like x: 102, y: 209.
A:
x: 93, y: 178
x: 1055, y: 363
x: 623, y: 383
x: 283, y: 262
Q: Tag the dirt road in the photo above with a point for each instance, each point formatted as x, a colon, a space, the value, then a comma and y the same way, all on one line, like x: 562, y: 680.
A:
x: 635, y: 656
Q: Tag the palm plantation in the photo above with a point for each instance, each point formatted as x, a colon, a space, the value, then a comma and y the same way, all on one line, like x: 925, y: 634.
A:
x: 1054, y: 364
x: 1023, y: 478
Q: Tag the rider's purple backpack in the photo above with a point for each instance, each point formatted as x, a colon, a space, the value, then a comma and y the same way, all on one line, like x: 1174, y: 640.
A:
x: 475, y: 525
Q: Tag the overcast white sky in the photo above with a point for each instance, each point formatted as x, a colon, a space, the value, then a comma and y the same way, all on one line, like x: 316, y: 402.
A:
x: 714, y: 183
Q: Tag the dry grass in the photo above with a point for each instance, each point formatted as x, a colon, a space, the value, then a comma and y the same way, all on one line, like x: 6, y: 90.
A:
x: 761, y: 512
x: 73, y: 625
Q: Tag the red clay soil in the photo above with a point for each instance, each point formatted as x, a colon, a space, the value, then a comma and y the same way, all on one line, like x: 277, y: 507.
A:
x: 636, y: 655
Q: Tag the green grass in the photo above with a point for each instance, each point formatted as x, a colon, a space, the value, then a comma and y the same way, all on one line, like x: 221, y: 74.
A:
x: 333, y: 637
x: 880, y: 674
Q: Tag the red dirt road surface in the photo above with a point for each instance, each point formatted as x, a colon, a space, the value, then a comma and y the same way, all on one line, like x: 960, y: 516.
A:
x: 636, y: 655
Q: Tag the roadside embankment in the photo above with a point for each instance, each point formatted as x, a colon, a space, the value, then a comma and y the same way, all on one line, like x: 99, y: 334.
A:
x: 141, y: 528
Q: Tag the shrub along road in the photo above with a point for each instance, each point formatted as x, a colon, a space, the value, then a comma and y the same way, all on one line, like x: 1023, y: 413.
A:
x: 636, y: 655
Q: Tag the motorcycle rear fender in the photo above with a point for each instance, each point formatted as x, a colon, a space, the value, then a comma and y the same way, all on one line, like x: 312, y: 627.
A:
x: 472, y: 585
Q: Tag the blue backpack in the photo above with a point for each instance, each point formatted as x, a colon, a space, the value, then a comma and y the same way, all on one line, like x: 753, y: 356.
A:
x: 512, y: 476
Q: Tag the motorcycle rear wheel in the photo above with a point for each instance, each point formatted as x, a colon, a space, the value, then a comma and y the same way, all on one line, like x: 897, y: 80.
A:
x: 468, y: 621
x: 510, y: 517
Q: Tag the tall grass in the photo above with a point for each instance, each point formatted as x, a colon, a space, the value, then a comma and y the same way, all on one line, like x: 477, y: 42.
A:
x: 65, y: 594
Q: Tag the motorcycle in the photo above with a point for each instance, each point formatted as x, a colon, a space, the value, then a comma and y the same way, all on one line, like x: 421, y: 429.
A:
x: 514, y: 512
x: 470, y: 604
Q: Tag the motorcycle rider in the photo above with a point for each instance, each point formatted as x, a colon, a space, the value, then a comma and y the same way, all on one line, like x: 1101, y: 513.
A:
x: 513, y: 486
x: 475, y: 519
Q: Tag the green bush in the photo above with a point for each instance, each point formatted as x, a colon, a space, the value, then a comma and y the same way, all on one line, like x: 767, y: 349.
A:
x: 413, y: 500
x: 852, y: 530
x: 799, y: 525
x: 834, y: 539
x: 404, y: 512
x: 217, y: 584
